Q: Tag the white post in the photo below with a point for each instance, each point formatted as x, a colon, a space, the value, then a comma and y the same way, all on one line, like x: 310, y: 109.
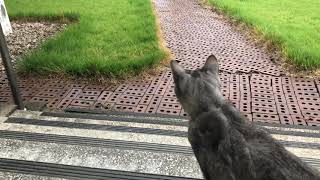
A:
x: 4, y: 19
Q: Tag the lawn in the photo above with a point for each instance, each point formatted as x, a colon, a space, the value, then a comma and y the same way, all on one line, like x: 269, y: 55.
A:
x: 292, y: 24
x: 109, y: 37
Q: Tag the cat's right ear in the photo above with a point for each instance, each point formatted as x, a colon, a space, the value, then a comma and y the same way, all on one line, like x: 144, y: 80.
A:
x: 177, y: 70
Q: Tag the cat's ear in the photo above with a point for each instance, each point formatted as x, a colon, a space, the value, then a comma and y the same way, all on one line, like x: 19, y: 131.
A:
x: 177, y: 70
x: 211, y: 64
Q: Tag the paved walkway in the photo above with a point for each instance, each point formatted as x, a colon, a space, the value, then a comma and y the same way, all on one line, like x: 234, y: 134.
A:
x: 249, y: 78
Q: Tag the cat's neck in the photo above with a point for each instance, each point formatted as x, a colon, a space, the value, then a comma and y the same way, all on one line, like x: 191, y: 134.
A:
x: 232, y: 114
x: 208, y: 106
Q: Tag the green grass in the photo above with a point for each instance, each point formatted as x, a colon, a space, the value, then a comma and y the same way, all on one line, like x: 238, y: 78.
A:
x: 292, y: 24
x: 112, y: 38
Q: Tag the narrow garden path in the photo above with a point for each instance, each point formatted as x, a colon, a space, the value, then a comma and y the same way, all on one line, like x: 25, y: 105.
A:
x: 249, y: 77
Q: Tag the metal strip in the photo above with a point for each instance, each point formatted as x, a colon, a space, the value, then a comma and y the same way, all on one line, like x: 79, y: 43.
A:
x: 287, y: 126
x: 293, y: 133
x: 120, y: 117
x: 9, y: 71
x: 93, y: 111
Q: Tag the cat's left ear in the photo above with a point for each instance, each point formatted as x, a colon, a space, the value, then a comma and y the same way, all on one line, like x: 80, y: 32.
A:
x: 211, y: 64
x: 177, y: 70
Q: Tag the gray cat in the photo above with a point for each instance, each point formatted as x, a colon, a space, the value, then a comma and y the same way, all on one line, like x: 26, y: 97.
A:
x: 226, y: 146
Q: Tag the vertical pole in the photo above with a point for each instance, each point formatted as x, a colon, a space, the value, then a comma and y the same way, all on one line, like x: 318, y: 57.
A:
x: 9, y: 70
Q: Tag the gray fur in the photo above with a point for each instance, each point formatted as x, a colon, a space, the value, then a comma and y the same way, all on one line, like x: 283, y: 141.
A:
x: 226, y: 146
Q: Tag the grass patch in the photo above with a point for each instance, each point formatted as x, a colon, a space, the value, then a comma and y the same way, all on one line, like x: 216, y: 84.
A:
x: 111, y: 38
x: 292, y: 24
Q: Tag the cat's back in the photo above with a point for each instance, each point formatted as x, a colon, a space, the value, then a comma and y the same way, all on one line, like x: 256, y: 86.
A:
x: 272, y: 161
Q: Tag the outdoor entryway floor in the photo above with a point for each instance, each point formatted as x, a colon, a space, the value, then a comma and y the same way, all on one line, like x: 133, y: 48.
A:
x: 249, y: 77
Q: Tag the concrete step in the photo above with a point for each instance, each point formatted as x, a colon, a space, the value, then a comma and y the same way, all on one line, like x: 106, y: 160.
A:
x: 126, y: 143
x: 154, y: 126
x: 122, y: 146
x: 6, y: 109
x: 96, y: 153
x: 21, y: 169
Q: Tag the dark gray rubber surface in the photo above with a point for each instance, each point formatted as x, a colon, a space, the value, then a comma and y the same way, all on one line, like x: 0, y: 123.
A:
x: 74, y: 172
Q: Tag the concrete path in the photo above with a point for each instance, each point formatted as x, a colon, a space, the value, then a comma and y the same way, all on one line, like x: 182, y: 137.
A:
x: 249, y: 77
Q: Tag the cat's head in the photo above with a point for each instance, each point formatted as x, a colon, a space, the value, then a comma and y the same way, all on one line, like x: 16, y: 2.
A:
x: 199, y: 90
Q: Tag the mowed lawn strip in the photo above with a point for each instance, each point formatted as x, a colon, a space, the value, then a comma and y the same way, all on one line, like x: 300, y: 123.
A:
x: 292, y: 24
x: 111, y: 37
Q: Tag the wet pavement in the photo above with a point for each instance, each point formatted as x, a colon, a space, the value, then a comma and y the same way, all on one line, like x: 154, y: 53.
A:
x: 249, y: 78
